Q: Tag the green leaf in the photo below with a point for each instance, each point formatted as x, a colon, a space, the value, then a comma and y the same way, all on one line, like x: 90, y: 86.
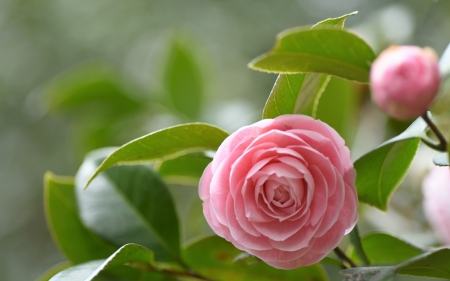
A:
x: 93, y: 84
x: 165, y: 144
x: 378, y: 248
x: 300, y: 93
x: 186, y: 169
x: 355, y: 241
x: 130, y: 254
x: 46, y: 276
x: 183, y: 80
x: 74, y: 240
x: 214, y: 257
x: 380, y: 171
x: 334, y: 22
x: 441, y: 159
x: 343, y: 118
x: 295, y: 94
x: 330, y: 51
x: 129, y: 204
x: 432, y: 264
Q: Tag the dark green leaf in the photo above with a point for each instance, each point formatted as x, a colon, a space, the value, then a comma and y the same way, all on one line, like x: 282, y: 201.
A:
x: 183, y: 80
x: 380, y: 171
x: 130, y: 254
x: 74, y: 240
x: 432, y: 264
x: 441, y: 159
x: 330, y: 51
x: 46, y: 276
x: 378, y: 247
x: 186, y: 169
x: 165, y: 144
x: 214, y: 257
x: 128, y: 204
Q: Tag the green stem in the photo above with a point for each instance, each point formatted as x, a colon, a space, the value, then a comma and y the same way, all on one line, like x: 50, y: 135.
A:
x: 344, y: 257
x: 442, y: 146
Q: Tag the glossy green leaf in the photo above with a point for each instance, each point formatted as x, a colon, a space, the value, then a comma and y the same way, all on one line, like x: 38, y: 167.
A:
x: 300, y: 93
x: 441, y: 159
x: 432, y: 264
x: 186, y: 169
x: 165, y: 144
x: 215, y: 258
x: 128, y: 204
x: 126, y: 255
x: 330, y: 51
x: 95, y: 85
x: 183, y: 81
x: 46, y: 276
x: 378, y: 248
x: 74, y: 240
x: 295, y: 94
x: 380, y: 171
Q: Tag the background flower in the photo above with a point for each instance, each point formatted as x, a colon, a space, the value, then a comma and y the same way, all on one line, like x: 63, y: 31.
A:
x: 436, y: 192
x: 405, y: 80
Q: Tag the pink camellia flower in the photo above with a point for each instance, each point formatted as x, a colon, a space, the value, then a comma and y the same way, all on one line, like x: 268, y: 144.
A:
x: 405, y: 80
x: 436, y: 193
x: 282, y: 189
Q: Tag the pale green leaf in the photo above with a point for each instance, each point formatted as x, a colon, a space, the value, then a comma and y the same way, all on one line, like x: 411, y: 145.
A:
x: 165, y: 144
x: 330, y: 51
x: 130, y: 254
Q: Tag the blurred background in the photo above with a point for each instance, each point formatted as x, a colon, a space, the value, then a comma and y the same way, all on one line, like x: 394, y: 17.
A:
x: 78, y: 75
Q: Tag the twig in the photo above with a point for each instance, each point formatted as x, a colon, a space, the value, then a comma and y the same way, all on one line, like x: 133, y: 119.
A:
x: 344, y: 257
x: 442, y: 146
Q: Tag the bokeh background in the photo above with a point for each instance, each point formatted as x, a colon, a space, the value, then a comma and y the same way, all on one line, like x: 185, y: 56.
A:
x: 78, y: 75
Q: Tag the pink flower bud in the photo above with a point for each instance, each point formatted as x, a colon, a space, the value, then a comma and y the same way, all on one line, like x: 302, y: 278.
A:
x: 436, y: 198
x: 405, y: 80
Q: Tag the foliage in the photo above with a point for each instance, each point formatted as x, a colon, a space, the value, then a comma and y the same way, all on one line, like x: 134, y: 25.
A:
x: 117, y: 220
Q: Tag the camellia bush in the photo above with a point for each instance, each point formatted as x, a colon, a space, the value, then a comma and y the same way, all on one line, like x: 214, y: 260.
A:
x: 280, y: 194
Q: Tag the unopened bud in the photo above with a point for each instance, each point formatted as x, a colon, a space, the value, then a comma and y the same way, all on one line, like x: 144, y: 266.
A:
x: 405, y: 80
